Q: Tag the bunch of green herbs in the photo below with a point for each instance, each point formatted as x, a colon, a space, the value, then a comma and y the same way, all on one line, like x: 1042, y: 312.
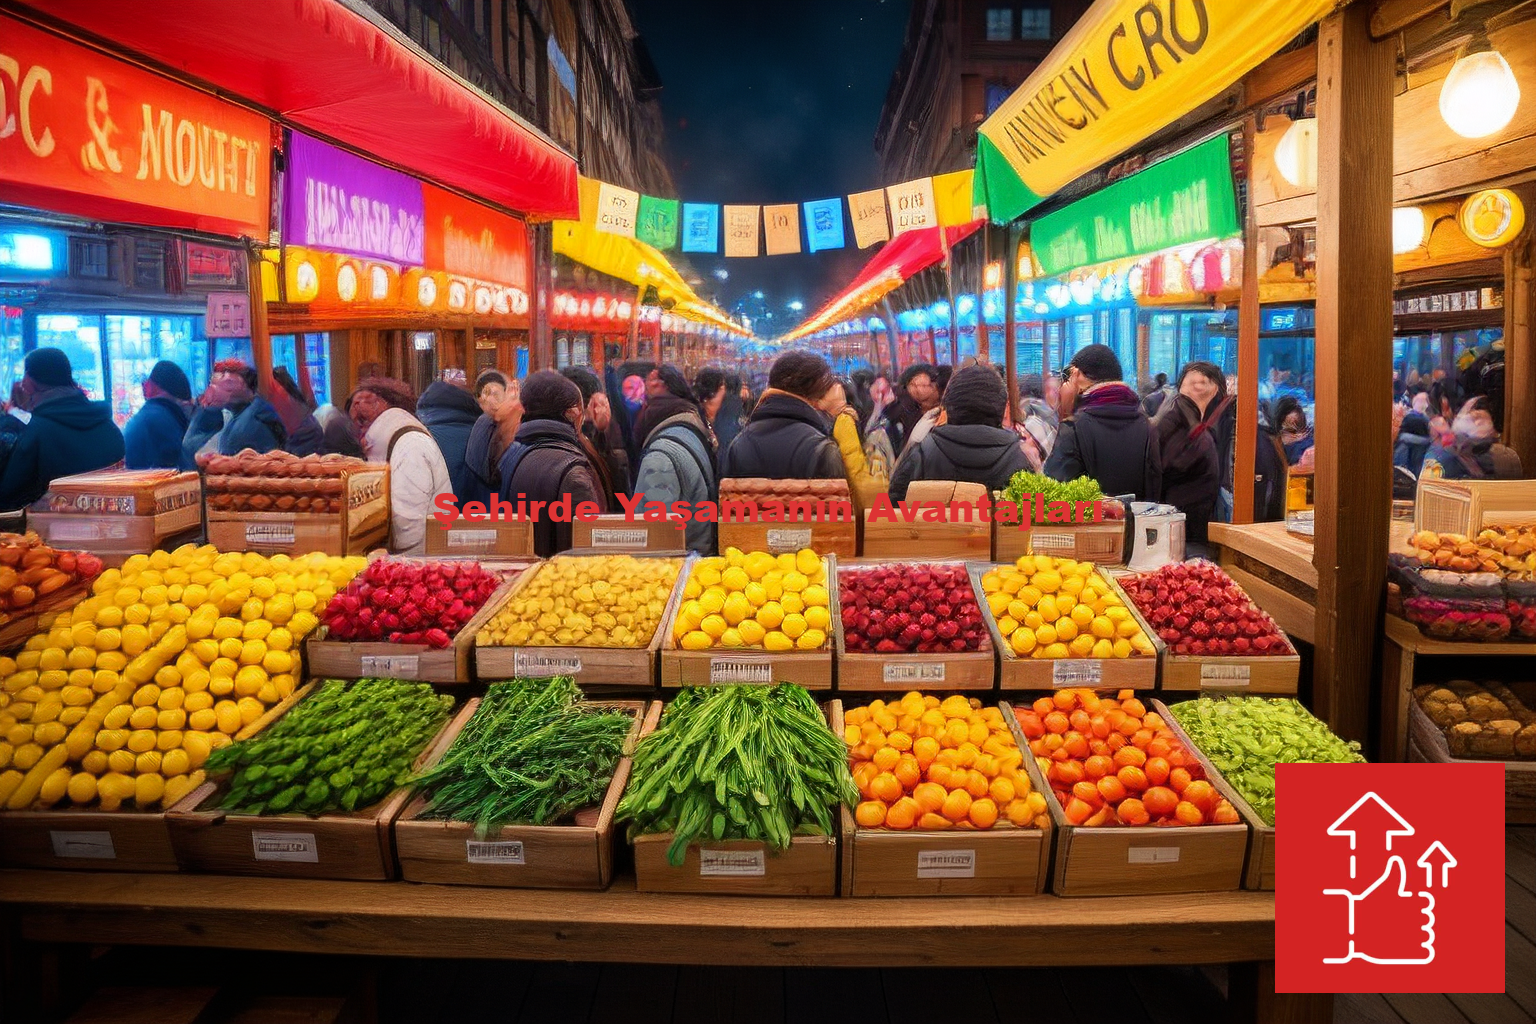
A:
x: 1084, y: 488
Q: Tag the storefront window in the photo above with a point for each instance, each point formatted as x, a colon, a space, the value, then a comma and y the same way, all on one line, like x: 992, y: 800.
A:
x: 233, y: 348
x: 316, y: 351
x: 11, y: 355
x: 1163, y: 344
x: 1418, y: 356
x: 136, y: 343
x: 79, y: 337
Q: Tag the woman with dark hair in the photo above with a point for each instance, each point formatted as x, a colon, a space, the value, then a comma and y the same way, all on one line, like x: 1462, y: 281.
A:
x: 864, y: 480
x: 1186, y: 429
x: 732, y: 414
x: 549, y: 462
x: 1290, y: 421
x: 787, y: 436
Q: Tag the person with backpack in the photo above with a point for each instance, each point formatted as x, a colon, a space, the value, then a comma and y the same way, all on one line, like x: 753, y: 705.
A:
x: 677, y: 457
x: 866, y: 460
x: 381, y: 409
x: 231, y: 416
x: 1472, y: 451
x: 971, y: 445
x: 1103, y: 433
x: 1185, y: 426
x: 787, y: 437
x: 549, y: 463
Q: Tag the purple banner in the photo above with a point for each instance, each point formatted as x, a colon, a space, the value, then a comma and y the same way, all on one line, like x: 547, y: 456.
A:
x: 342, y: 203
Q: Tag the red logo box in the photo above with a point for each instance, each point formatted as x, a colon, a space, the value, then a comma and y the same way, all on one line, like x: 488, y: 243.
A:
x: 1389, y: 878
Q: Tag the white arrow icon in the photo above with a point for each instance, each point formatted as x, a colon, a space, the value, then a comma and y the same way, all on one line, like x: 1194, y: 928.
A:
x: 1427, y: 862
x: 1337, y: 829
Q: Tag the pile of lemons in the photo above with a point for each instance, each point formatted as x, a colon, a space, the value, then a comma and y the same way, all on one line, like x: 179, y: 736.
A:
x: 586, y: 601
x: 1061, y: 608
x: 126, y: 694
x: 755, y: 600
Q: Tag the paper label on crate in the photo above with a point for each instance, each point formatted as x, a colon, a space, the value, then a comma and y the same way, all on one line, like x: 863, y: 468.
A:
x: 494, y: 852
x: 85, y: 845
x: 1051, y: 541
x: 270, y: 534
x: 782, y: 540
x: 289, y: 846
x: 740, y: 670
x: 913, y: 672
x: 1152, y: 855
x: 946, y: 863
x: 732, y: 863
x: 72, y: 530
x: 533, y: 665
x: 1224, y: 675
x: 1077, y: 672
x: 616, y: 537
x: 478, y: 539
x: 389, y: 666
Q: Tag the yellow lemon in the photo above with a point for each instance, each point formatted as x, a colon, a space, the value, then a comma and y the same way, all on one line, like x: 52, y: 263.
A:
x: 998, y: 603
x: 756, y: 594
x: 1056, y: 651
x: 1047, y: 608
x: 795, y: 582
x: 814, y: 595
x: 1047, y: 582
x: 1102, y: 649
x: 736, y: 608
x: 734, y: 578
x: 1081, y: 646
x: 107, y: 638
x: 1121, y: 648
x: 807, y: 561
x: 818, y: 617
x: 793, y: 625
x: 751, y: 632
x: 712, y: 601
x: 758, y: 564
x: 731, y: 638
x: 777, y: 641
x: 1022, y: 641
x: 770, y: 615
x: 810, y: 640
x: 230, y: 647
x: 109, y: 615
x: 714, y: 625
x: 1007, y: 624
x: 1066, y: 629
x: 1045, y: 634
x: 792, y: 603
x: 696, y: 641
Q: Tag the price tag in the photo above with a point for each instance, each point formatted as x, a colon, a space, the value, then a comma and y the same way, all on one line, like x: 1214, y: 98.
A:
x: 494, y: 852
x: 913, y: 672
x: 479, y: 540
x: 782, y: 540
x: 740, y: 670
x: 269, y: 534
x: 732, y: 863
x: 1218, y: 677
x: 83, y: 845
x: 534, y: 665
x: 946, y: 863
x: 614, y: 537
x: 1152, y: 855
x: 286, y: 846
x: 1040, y: 540
x: 389, y: 666
x: 1077, y: 672
x: 71, y: 529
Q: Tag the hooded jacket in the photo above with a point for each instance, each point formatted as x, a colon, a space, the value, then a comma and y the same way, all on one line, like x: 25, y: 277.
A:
x: 970, y: 452
x: 450, y: 413
x: 1111, y: 440
x: 68, y: 434
x: 786, y: 438
x: 1466, y: 459
x: 676, y: 465
x: 1412, y: 443
x: 417, y: 475
x: 152, y: 439
x: 1191, y: 462
x: 554, y: 465
x: 233, y: 429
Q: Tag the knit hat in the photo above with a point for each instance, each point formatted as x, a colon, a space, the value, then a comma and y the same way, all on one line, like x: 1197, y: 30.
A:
x: 50, y: 367
x: 171, y: 380
x: 584, y: 379
x: 1098, y: 363
x: 547, y: 395
x: 975, y: 395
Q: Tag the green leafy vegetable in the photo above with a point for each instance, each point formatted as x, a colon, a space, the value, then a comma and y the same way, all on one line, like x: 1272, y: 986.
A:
x: 1245, y: 737
x: 1084, y: 488
x: 738, y: 762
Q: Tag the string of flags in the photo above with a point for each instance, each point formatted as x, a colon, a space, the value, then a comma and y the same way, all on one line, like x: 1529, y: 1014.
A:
x: 878, y: 215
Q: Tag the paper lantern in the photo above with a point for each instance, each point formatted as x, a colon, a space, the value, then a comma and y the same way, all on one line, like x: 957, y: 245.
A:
x: 1480, y: 95
x: 426, y: 290
x: 1492, y: 218
x: 458, y: 295
x: 1296, y: 153
x: 346, y: 282
x: 1211, y: 269
x: 306, y: 282
x: 1407, y: 229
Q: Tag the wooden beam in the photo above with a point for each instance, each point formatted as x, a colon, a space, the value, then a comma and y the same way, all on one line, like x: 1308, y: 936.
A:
x: 261, y: 335
x: 1520, y: 348
x: 1247, y: 349
x: 1392, y: 16
x: 1354, y: 345
x: 1283, y: 73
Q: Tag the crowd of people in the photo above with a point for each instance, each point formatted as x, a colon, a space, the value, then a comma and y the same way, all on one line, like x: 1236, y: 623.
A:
x: 644, y: 429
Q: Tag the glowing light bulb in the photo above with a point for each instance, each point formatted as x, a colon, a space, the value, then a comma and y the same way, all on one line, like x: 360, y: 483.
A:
x: 1480, y: 94
x: 1407, y: 229
x: 1296, y: 153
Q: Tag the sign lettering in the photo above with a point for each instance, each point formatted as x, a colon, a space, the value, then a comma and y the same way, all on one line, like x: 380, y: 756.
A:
x: 612, y: 537
x: 914, y: 672
x: 793, y: 539
x: 732, y: 863
x: 1152, y: 855
x: 342, y: 203
x: 389, y: 666
x: 297, y: 847
x: 494, y: 852
x: 1077, y: 672
x: 83, y: 845
x: 740, y: 670
x: 269, y: 534
x: 538, y: 665
x: 946, y: 863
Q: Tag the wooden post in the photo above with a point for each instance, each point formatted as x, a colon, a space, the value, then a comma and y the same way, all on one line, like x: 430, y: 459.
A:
x: 1247, y: 349
x: 1143, y: 350
x: 891, y: 335
x: 541, y: 340
x: 261, y: 336
x: 1520, y: 349
x: 983, y: 336
x: 1354, y: 343
x: 1010, y: 326
x: 954, y: 314
x: 632, y: 348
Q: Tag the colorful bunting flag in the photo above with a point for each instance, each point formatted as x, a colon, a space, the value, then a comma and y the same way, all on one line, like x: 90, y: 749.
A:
x: 701, y: 227
x: 657, y: 226
x: 824, y: 224
x: 741, y: 229
x: 868, y: 212
x: 952, y: 198
x: 781, y: 229
x: 912, y: 205
x: 616, y: 209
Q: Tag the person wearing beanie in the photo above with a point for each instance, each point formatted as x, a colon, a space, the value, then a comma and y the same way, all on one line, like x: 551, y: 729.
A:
x: 549, y: 463
x: 381, y: 409
x: 787, y: 437
x: 1103, y: 432
x: 971, y: 445
x: 599, y: 428
x: 67, y: 434
x: 152, y: 439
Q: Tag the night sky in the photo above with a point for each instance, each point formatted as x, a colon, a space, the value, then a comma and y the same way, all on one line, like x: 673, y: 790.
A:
x: 773, y: 103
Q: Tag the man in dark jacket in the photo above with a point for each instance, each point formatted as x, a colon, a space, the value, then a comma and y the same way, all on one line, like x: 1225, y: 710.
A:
x: 152, y: 439
x: 1104, y: 434
x: 677, y: 462
x: 971, y: 445
x: 232, y: 416
x: 553, y: 464
x: 917, y: 392
x: 68, y: 433
x: 732, y: 415
x: 787, y: 437
x: 599, y: 427
x: 449, y: 412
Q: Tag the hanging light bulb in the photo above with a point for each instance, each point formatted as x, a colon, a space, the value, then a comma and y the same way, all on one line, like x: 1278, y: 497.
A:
x: 1480, y: 94
x: 1407, y: 229
x: 1296, y: 153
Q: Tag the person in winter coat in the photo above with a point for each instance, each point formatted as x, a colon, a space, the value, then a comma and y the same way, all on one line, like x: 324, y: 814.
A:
x: 232, y: 417
x: 1103, y: 432
x: 381, y: 410
x: 972, y: 445
x: 297, y: 413
x: 449, y: 412
x: 1186, y: 436
x: 600, y: 428
x: 917, y: 393
x: 1412, y: 443
x: 787, y: 437
x: 152, y: 439
x: 552, y: 464
x: 863, y: 484
x: 1291, y: 422
x: 677, y: 462
x: 67, y: 434
x: 732, y: 415
x: 490, y: 446
x: 1473, y: 452
x: 490, y: 388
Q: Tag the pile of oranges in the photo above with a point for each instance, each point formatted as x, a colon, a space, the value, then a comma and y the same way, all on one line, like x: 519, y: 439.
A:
x: 923, y: 763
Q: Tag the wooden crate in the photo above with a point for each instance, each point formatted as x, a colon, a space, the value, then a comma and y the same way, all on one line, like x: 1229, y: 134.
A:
x: 576, y: 855
x: 837, y: 537
x: 740, y: 867
x: 130, y: 493
x: 362, y: 523
x: 1117, y: 860
x: 894, y: 540
x: 873, y: 672
x: 619, y: 534
x: 1466, y: 506
x: 1427, y: 743
x: 363, y: 659
x: 1259, y: 864
x: 118, y: 533
x: 629, y: 667
x: 471, y: 537
x: 18, y: 627
x: 1100, y: 543
x: 356, y: 845
x: 1138, y: 672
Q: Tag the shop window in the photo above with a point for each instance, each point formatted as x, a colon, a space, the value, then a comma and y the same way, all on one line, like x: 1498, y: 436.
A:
x: 90, y: 257
x: 999, y: 24
x: 136, y: 343
x: 149, y: 265
x: 11, y: 354
x: 313, y: 351
x: 233, y: 348
x: 1035, y: 23
x: 79, y: 337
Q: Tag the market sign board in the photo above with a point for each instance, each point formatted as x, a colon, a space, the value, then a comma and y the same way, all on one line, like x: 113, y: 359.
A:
x: 342, y: 203
x: 86, y: 134
x: 1127, y: 69
x: 1185, y: 198
x: 464, y: 237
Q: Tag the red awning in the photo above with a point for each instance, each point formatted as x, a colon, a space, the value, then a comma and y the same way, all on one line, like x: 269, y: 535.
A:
x: 328, y: 69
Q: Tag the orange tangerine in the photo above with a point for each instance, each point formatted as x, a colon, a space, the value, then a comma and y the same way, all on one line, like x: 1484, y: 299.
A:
x: 1179, y: 779
x: 1098, y: 766
x: 1160, y: 801
x: 930, y: 796
x: 939, y: 773
x: 925, y: 749
x: 1131, y: 777
x: 1225, y: 814
x: 1157, y: 770
x: 1202, y: 794
x: 886, y: 757
x: 1132, y: 812
x: 900, y: 740
x: 886, y: 787
x: 983, y: 812
x: 1088, y: 793
x: 932, y: 821
x: 1077, y: 811
x: 1188, y: 814
x: 977, y: 785
x: 903, y: 814
x: 1018, y: 812
x: 1002, y: 791
x: 870, y: 814
x: 1111, y: 789
x: 907, y: 772
x: 1130, y: 756
x: 957, y: 804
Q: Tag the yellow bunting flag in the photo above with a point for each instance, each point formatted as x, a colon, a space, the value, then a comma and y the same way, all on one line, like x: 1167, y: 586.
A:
x: 617, y: 209
x: 952, y: 198
x: 912, y: 205
x: 741, y: 223
x: 781, y: 229
x: 868, y: 212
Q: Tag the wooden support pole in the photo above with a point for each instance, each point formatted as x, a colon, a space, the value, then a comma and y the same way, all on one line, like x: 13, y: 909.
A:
x: 1143, y: 350
x: 261, y: 336
x: 1520, y: 348
x: 1010, y: 326
x: 1247, y: 349
x: 983, y: 335
x: 954, y: 314
x: 541, y: 338
x: 632, y: 348
x: 1354, y: 343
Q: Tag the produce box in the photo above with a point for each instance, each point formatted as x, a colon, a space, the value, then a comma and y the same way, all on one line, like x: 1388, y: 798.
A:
x: 954, y: 860
x: 1016, y: 672
x: 120, y: 511
x: 1427, y: 742
x: 838, y: 536
x: 882, y: 671
x: 361, y: 659
x: 619, y: 533
x: 1101, y: 543
x: 739, y: 867
x: 1466, y: 506
x: 955, y: 537
x: 352, y: 845
x: 1117, y: 859
x: 809, y: 668
x: 36, y: 582
x: 280, y: 502
x: 632, y: 667
x: 574, y: 855
x: 479, y: 537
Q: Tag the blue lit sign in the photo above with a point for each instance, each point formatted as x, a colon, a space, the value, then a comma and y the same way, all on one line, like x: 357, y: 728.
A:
x: 26, y: 251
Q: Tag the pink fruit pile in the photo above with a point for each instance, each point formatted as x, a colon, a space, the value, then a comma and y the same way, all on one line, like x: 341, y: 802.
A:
x: 1197, y: 609
x: 409, y: 602
x: 910, y: 609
